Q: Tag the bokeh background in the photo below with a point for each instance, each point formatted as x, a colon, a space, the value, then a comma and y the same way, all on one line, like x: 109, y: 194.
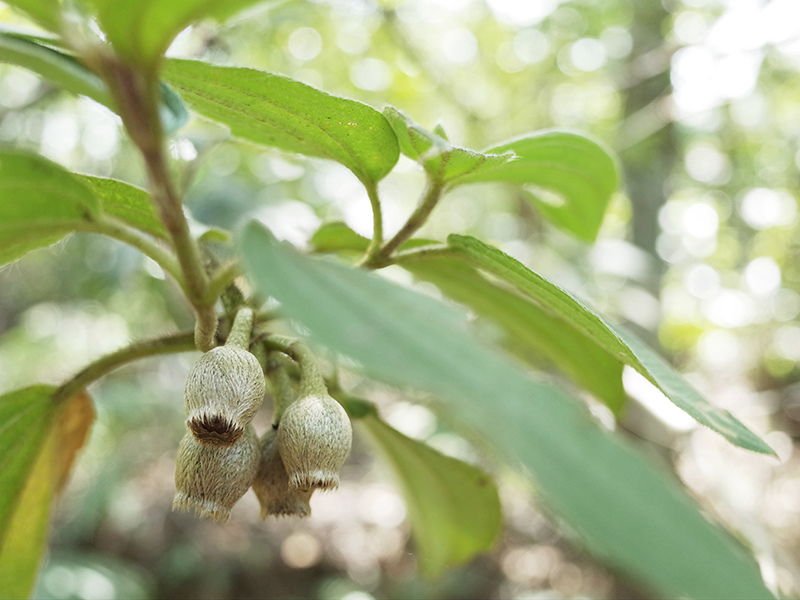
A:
x: 698, y: 253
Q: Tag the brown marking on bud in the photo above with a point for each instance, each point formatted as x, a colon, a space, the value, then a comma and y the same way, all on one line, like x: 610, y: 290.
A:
x: 224, y: 390
x: 314, y: 438
x: 271, y: 484
x: 211, y: 479
x: 214, y: 429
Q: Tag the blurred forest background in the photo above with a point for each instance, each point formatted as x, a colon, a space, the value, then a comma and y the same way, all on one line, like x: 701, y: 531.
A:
x: 698, y: 253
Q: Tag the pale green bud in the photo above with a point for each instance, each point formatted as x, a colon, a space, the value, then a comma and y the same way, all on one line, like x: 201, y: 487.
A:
x: 224, y: 390
x: 211, y: 479
x: 271, y: 483
x: 314, y: 439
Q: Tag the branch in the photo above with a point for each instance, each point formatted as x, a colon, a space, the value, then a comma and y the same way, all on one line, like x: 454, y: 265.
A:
x: 431, y: 196
x: 136, y: 93
x: 178, y: 342
x: 116, y: 229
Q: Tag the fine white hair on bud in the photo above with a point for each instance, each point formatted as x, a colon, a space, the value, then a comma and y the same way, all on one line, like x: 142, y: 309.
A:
x: 211, y: 479
x: 314, y: 440
x: 271, y: 483
x: 224, y: 390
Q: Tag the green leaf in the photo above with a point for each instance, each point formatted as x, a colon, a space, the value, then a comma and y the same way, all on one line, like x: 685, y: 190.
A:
x: 130, y: 204
x: 42, y: 12
x: 55, y: 66
x: 68, y: 73
x: 453, y: 507
x: 171, y: 110
x: 336, y: 236
x: 40, y: 202
x: 624, y: 509
x: 278, y: 111
x: 530, y: 332
x: 615, y: 340
x: 443, y: 161
x: 575, y: 177
x: 142, y: 31
x: 40, y: 439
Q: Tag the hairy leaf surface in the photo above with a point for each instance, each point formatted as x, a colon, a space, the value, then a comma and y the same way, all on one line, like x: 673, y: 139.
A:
x: 130, y: 204
x: 442, y: 160
x: 278, y: 111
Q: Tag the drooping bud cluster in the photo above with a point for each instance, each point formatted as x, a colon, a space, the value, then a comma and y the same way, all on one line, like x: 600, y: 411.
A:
x: 309, y: 443
x: 271, y: 483
x: 218, y: 457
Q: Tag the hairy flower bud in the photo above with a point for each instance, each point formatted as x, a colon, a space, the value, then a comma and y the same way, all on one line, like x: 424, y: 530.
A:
x: 211, y: 479
x: 225, y: 388
x: 314, y: 439
x: 271, y: 483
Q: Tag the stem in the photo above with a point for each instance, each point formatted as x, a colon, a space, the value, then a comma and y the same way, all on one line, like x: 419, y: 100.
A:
x: 377, y: 224
x: 282, y: 392
x: 425, y: 252
x: 178, y: 342
x: 136, y: 93
x: 116, y: 229
x: 311, y: 380
x: 221, y: 279
x: 431, y: 196
x: 242, y: 326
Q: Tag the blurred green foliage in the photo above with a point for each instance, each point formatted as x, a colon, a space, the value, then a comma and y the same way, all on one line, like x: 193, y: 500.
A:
x: 699, y: 252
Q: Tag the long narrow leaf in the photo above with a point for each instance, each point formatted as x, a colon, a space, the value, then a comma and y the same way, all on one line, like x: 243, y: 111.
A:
x: 617, y: 341
x: 278, y: 111
x: 624, y: 508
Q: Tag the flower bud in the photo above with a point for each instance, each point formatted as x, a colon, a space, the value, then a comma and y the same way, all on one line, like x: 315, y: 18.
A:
x: 314, y: 439
x: 271, y: 483
x: 224, y: 390
x: 211, y: 479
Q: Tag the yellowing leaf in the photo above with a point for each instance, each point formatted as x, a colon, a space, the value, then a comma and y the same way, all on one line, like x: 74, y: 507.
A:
x: 39, y: 439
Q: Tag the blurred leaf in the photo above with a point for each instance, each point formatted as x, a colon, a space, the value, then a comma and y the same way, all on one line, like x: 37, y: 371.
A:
x: 626, y: 510
x: 40, y: 202
x: 68, y: 73
x: 171, y: 110
x: 130, y: 204
x: 44, y: 12
x: 337, y: 236
x: 142, y: 31
x: 277, y: 111
x: 531, y: 332
x: 40, y: 439
x: 618, y: 342
x: 453, y: 507
x: 55, y: 66
x: 25, y: 416
x: 443, y: 161
x: 575, y: 174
